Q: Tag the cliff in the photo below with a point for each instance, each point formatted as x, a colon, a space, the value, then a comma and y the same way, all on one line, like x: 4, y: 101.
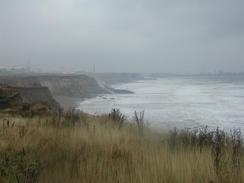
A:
x: 79, y: 86
x: 66, y: 89
x: 27, y: 98
x: 32, y: 95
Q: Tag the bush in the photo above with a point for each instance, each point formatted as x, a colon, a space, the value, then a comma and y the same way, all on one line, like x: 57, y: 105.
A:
x: 116, y: 116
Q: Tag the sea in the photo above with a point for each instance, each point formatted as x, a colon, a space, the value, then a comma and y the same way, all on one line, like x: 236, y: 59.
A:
x: 178, y: 101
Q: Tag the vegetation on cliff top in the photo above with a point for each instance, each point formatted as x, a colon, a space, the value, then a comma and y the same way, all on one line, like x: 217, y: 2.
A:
x: 75, y: 147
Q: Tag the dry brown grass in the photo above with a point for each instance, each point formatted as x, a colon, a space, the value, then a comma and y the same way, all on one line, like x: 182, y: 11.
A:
x: 95, y: 150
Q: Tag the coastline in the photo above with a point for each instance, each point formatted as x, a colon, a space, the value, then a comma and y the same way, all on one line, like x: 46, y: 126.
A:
x: 68, y: 102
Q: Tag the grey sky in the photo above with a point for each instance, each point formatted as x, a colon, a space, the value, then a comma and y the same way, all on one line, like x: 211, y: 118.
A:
x: 123, y: 35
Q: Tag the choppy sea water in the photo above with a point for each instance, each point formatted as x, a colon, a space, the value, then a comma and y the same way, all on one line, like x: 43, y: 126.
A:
x: 182, y: 102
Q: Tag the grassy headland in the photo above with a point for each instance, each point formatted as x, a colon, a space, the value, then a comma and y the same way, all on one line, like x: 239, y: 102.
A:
x: 75, y: 147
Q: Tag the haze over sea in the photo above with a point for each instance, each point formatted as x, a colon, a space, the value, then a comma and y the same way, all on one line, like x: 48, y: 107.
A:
x: 179, y: 101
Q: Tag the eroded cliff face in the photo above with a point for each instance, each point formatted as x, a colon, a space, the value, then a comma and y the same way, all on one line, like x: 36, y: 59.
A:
x: 33, y: 95
x: 66, y: 89
x: 20, y: 98
x: 72, y: 86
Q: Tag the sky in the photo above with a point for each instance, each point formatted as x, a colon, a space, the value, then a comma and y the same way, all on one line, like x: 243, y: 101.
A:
x: 172, y: 36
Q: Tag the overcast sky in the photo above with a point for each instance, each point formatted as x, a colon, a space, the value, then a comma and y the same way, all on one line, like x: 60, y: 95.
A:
x: 179, y: 36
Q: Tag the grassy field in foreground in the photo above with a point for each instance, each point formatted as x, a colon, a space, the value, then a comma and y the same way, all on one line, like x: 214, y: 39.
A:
x: 74, y: 148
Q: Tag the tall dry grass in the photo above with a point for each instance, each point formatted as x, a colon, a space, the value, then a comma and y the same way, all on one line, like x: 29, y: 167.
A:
x: 77, y: 148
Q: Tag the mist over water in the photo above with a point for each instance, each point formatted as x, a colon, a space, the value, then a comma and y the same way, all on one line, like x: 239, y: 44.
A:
x: 182, y: 102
